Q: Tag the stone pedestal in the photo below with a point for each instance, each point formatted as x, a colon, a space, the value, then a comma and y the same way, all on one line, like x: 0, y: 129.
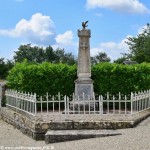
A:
x: 84, y: 84
x: 84, y: 89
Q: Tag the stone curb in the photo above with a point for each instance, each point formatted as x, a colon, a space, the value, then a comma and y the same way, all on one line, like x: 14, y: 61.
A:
x: 53, y: 136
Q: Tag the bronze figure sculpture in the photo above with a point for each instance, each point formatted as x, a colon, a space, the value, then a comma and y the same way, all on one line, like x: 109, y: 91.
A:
x: 84, y: 24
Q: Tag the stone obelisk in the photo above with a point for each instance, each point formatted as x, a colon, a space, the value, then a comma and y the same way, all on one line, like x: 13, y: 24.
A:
x: 84, y: 83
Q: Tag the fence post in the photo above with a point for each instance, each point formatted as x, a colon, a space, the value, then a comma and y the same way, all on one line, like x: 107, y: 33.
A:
x: 126, y: 106
x: 99, y: 101
x: 114, y: 104
x: 0, y: 96
x: 94, y: 101
x: 41, y: 101
x: 119, y: 103
x: 59, y: 99
x: 101, y: 104
x: 73, y: 102
x: 35, y: 105
x: 131, y: 103
x: 107, y: 100
x: 47, y: 102
x: 65, y: 100
x: 149, y: 98
x: 68, y: 104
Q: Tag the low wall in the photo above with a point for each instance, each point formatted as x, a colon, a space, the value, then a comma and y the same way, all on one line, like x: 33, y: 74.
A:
x: 3, y: 88
x: 23, y: 122
x: 37, y: 128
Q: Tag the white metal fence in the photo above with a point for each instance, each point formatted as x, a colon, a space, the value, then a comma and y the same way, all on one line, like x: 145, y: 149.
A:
x: 22, y: 101
x: 140, y: 101
x: 62, y: 105
x: 0, y: 102
x: 0, y: 96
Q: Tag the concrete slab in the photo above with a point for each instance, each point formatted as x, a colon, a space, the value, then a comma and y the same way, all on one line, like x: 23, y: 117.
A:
x: 53, y: 136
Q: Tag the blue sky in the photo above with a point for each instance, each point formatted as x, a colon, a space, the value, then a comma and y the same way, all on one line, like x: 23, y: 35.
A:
x: 55, y: 23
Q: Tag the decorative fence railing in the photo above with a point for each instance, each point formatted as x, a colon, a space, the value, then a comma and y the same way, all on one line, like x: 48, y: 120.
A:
x: 62, y: 105
x: 0, y: 102
x: 22, y: 101
x: 140, y: 101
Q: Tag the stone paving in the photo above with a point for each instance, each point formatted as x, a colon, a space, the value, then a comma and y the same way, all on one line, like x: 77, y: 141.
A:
x: 137, y: 138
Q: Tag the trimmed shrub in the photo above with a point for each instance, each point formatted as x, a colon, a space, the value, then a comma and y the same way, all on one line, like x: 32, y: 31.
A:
x: 115, y: 78
x: 54, y: 78
x: 42, y: 78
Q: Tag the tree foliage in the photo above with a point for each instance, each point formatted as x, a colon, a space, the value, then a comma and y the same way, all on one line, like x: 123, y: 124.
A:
x: 140, y: 46
x: 120, y: 60
x: 65, y: 58
x: 39, y: 54
x: 5, y: 66
x: 125, y: 57
x: 100, y: 57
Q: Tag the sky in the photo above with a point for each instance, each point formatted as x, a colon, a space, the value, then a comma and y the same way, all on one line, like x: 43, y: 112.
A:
x: 55, y: 23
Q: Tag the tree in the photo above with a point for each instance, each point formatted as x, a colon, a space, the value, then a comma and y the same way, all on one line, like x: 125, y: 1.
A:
x: 50, y: 55
x: 2, y: 68
x: 62, y: 57
x: 39, y: 54
x: 100, y: 57
x: 140, y: 45
x: 123, y: 58
x: 32, y: 54
x: 5, y: 66
x: 120, y: 60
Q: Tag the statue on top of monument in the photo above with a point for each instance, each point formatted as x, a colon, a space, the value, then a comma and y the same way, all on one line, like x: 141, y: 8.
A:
x: 84, y: 24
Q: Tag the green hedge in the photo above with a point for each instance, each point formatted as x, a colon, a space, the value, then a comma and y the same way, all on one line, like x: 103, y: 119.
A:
x: 42, y: 78
x: 54, y: 78
x: 115, y: 78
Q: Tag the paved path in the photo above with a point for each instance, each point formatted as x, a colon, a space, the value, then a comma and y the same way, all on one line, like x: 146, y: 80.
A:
x: 137, y: 138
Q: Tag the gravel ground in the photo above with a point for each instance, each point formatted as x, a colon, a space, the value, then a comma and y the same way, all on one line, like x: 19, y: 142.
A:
x: 137, y: 138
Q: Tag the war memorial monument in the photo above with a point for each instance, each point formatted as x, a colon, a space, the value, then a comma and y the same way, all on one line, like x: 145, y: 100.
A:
x: 84, y: 83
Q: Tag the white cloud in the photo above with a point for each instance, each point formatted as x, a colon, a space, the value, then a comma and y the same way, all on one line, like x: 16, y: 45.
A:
x: 112, y: 49
x: 99, y: 14
x: 39, y: 29
x: 126, y: 6
x: 65, y: 41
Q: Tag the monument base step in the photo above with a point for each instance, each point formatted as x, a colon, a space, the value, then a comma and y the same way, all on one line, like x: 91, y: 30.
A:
x: 53, y: 136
